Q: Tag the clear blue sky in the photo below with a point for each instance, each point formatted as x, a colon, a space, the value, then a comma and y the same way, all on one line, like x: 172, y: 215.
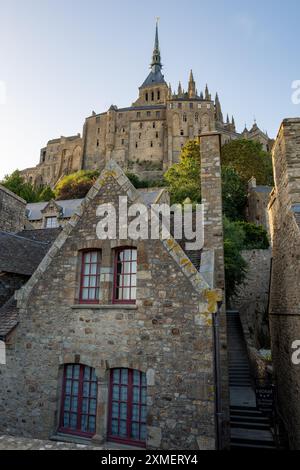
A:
x: 61, y: 59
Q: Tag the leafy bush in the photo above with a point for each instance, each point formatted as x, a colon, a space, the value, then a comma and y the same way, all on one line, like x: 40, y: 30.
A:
x: 76, y: 185
x: 256, y: 237
x: 234, y: 194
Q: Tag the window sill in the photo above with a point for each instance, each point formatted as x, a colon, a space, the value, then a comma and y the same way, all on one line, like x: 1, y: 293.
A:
x: 105, y: 307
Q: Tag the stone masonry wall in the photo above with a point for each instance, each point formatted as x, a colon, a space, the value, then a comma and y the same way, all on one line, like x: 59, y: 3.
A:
x: 284, y: 311
x: 211, y: 191
x: 168, y: 335
x: 12, y: 211
x: 252, y: 298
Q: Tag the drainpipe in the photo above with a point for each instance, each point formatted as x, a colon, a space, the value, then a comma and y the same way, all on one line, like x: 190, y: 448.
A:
x: 217, y: 371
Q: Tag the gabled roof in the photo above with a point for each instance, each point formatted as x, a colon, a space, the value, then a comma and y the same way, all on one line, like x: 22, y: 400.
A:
x: 112, y: 170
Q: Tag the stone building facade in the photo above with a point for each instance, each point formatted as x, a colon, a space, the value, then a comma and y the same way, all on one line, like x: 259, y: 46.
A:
x: 257, y: 204
x: 155, y: 352
x: 12, y: 211
x: 145, y: 138
x: 256, y: 134
x: 284, y: 310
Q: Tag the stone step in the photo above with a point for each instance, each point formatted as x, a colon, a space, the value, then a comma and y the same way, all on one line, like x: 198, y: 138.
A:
x: 249, y: 419
x: 247, y: 425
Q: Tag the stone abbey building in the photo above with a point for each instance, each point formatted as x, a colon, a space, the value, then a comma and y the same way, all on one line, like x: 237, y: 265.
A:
x: 145, y: 138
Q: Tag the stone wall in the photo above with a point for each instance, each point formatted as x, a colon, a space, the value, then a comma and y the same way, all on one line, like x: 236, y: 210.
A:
x: 284, y: 311
x: 168, y: 335
x: 252, y: 298
x: 12, y: 211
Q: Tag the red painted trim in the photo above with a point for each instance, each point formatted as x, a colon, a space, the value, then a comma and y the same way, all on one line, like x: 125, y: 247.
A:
x: 115, y: 300
x: 81, y: 380
x: 83, y: 276
x: 129, y: 420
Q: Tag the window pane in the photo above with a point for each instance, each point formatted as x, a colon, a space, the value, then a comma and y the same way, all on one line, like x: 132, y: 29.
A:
x: 136, y: 377
x: 123, y: 428
x: 115, y: 427
x: 115, y: 410
x: 84, y: 423
x: 92, y: 424
x: 85, y: 294
x: 69, y: 371
x: 67, y: 403
x: 68, y: 386
x: 143, y: 432
x: 73, y: 421
x: 85, y: 405
x: 136, y: 395
x: 124, y: 376
x: 116, y: 375
x: 135, y: 431
x: 66, y: 420
x: 143, y: 414
x: 74, y: 404
x: 92, y: 407
x: 116, y: 392
x: 123, y: 411
x: 123, y: 393
x: 135, y: 413
x: 93, y: 390
x: 76, y: 372
x: 75, y: 388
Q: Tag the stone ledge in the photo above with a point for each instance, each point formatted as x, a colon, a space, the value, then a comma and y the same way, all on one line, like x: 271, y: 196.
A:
x: 104, y: 307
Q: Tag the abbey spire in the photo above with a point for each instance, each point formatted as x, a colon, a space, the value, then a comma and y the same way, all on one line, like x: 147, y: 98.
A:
x: 156, y: 64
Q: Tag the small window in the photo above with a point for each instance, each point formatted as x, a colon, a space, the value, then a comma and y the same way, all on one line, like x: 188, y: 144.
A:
x: 98, y: 130
x: 51, y: 222
x: 148, y: 113
x: 136, y: 145
x: 184, y: 118
x: 125, y: 276
x: 79, y: 401
x: 141, y: 125
x: 152, y: 96
x: 138, y: 114
x: 181, y: 132
x: 127, y: 406
x: 197, y: 117
x: 158, y: 114
x: 97, y: 143
x: 122, y: 141
x: 151, y: 143
x: 191, y: 105
x: 156, y: 135
x: 153, y: 125
x: 179, y: 105
x: 140, y: 135
x: 158, y: 95
x: 90, y: 277
x: 146, y: 97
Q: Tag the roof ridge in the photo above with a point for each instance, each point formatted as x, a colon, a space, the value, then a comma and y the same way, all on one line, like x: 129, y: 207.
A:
x: 23, y: 238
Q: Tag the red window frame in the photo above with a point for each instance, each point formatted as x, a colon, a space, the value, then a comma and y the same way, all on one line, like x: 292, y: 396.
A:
x: 89, y: 276
x: 120, y: 276
x: 129, y: 403
x: 81, y: 378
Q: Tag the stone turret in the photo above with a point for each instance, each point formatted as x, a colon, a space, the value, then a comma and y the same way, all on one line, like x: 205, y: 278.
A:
x: 192, y: 86
x: 218, y: 110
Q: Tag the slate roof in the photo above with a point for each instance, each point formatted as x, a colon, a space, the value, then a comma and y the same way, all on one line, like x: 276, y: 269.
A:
x: 8, y: 317
x: 20, y: 254
x: 68, y: 208
x: 46, y: 235
x: 154, y: 78
x: 262, y: 189
x: 70, y: 205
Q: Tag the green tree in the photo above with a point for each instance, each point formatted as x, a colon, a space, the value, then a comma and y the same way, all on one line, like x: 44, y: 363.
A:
x: 76, y: 185
x: 235, y: 265
x: 256, y: 237
x: 46, y: 194
x: 248, y: 159
x: 234, y: 194
x: 15, y: 183
x: 183, y: 178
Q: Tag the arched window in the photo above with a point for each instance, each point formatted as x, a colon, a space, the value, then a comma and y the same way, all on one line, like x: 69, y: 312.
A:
x: 158, y: 95
x: 152, y: 95
x: 184, y: 117
x: 125, y: 276
x: 127, y: 406
x: 79, y: 400
x: 90, y: 277
x: 146, y: 96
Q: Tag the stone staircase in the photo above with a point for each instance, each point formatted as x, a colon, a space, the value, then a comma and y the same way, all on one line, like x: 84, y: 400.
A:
x: 249, y: 427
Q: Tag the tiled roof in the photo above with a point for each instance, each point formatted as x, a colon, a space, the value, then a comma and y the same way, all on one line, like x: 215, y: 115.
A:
x: 8, y: 317
x: 46, y: 235
x: 19, y: 254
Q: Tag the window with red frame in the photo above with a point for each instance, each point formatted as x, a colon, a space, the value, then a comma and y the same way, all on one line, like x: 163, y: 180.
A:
x: 90, y: 277
x: 127, y: 406
x: 125, y: 276
x: 79, y: 400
